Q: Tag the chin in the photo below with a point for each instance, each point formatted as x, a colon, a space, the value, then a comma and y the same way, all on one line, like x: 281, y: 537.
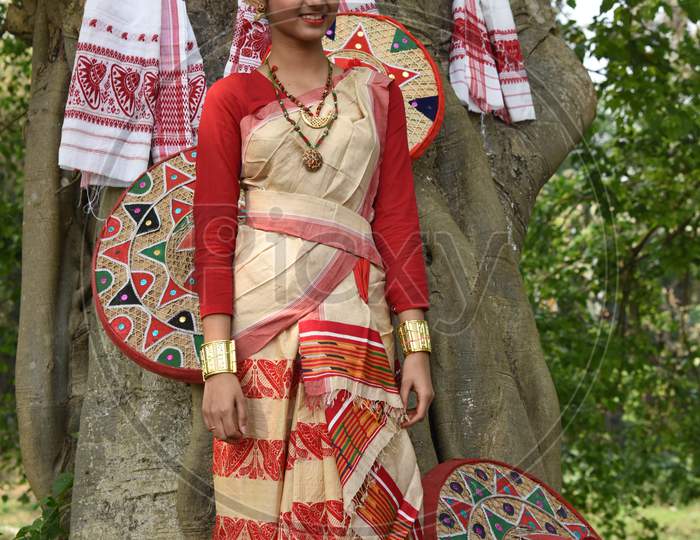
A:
x: 307, y: 34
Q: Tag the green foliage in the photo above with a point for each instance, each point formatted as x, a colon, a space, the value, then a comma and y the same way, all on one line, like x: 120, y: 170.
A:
x: 14, y: 96
x: 612, y: 265
x: 51, y: 524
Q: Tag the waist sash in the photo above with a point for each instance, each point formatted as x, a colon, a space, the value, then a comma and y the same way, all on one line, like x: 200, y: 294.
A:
x: 258, y: 319
x: 311, y: 218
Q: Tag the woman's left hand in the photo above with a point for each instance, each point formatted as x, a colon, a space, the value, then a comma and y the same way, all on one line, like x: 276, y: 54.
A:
x: 415, y: 375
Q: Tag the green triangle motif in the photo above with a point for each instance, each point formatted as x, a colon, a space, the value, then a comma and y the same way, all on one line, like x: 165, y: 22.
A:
x: 402, y: 42
x: 142, y: 185
x: 499, y: 526
x: 540, y: 501
x: 198, y: 342
x: 477, y: 490
x: 156, y: 251
x: 103, y: 280
x: 170, y: 357
x: 187, y: 221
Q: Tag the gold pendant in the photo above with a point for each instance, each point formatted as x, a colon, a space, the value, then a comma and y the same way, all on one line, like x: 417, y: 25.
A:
x: 312, y: 159
x: 316, y: 122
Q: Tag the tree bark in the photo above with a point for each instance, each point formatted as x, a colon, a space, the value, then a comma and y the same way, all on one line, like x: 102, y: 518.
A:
x: 142, y: 458
x: 51, y: 343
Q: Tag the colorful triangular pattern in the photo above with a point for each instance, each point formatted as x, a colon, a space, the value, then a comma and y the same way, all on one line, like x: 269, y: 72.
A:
x: 118, y: 253
x: 174, y: 177
x: 156, y: 252
x: 179, y: 210
x: 402, y: 42
x: 150, y: 223
x: 142, y: 282
x: 155, y: 331
x: 170, y: 356
x: 171, y: 293
x: 125, y: 297
x: 112, y: 227
x: 142, y: 186
x: 103, y: 280
x: 122, y: 326
x: 503, y: 485
x: 538, y: 498
x: 183, y: 320
x: 427, y: 106
x: 137, y: 211
x: 499, y: 526
x: 330, y: 33
x: 477, y: 490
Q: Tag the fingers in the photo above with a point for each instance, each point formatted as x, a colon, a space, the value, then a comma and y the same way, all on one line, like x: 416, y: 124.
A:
x: 404, y: 390
x: 218, y: 431
x: 406, y: 386
x: 210, y: 420
x: 411, y: 418
x: 223, y: 409
x: 242, y: 414
x: 229, y: 419
x: 424, y: 397
x: 423, y: 402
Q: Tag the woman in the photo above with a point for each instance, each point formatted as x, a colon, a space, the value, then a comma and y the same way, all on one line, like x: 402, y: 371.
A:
x: 310, y: 422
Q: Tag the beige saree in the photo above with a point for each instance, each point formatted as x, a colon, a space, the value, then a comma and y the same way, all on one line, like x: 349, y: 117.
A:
x: 324, y: 456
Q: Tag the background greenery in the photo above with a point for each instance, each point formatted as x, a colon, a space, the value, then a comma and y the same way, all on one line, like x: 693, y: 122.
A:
x: 611, y: 262
x: 14, y: 94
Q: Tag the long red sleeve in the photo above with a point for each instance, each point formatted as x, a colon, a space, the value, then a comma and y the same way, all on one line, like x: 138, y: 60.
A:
x: 395, y: 226
x: 216, y: 195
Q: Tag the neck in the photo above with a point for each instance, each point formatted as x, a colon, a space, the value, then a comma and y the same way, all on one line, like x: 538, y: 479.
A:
x: 302, y: 59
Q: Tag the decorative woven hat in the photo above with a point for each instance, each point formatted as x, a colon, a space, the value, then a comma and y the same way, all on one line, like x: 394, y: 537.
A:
x: 143, y: 266
x: 384, y: 44
x: 143, y: 263
x: 481, y: 499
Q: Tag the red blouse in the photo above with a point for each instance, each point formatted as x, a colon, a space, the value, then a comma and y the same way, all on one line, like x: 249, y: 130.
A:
x: 395, y: 226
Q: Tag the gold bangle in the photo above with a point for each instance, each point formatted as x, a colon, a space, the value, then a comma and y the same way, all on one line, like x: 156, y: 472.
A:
x: 414, y: 336
x: 218, y: 356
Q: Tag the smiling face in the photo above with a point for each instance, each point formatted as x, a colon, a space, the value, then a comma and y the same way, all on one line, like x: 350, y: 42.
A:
x: 303, y: 20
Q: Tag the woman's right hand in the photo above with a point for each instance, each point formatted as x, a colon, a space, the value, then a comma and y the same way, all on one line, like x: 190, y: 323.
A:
x: 224, y: 407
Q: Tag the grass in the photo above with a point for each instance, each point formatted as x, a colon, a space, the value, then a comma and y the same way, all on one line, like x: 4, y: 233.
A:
x: 676, y: 523
x: 13, y: 512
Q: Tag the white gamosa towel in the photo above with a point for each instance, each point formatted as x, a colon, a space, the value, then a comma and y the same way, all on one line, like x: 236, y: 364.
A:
x: 487, y: 69
x: 136, y: 90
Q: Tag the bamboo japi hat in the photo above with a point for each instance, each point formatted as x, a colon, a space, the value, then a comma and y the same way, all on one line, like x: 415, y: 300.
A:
x: 143, y: 264
x: 384, y: 44
x: 484, y: 499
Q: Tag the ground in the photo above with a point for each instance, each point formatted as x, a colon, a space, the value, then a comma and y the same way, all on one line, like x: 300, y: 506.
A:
x: 683, y: 522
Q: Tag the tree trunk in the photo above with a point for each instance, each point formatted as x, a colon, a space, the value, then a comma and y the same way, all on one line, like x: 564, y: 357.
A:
x: 142, y: 460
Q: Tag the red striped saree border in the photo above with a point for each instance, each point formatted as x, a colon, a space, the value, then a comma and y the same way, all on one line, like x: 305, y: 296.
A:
x: 346, y: 370
x: 337, y: 355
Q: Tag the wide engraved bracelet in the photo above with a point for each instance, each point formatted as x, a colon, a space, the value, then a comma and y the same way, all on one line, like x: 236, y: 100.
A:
x: 414, y: 336
x: 218, y: 356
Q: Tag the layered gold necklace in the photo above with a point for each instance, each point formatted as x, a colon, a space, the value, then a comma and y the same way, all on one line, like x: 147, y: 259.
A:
x: 312, y: 158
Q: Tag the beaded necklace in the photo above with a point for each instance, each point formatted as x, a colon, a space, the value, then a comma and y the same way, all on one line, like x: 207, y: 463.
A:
x: 312, y: 158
